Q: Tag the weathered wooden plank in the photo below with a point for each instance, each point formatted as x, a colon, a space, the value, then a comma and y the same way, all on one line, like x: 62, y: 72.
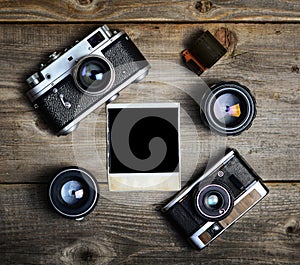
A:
x: 154, y: 10
x: 263, y: 57
x: 120, y: 233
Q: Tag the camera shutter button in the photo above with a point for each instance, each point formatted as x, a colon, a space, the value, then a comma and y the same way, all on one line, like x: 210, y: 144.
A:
x: 54, y: 56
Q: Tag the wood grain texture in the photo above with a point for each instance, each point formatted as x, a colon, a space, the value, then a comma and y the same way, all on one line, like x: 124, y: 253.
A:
x: 117, y: 233
x: 262, y: 57
x: 127, y: 228
x: 148, y: 11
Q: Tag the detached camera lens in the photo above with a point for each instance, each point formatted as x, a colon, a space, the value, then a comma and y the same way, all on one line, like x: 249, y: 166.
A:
x: 73, y: 192
x: 214, y: 202
x: 228, y: 109
x: 94, y: 75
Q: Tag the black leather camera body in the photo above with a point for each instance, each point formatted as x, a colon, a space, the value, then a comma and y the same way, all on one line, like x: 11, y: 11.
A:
x: 76, y: 81
x: 216, y: 200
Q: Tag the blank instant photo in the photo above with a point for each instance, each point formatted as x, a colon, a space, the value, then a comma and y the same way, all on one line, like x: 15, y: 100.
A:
x: 143, y: 141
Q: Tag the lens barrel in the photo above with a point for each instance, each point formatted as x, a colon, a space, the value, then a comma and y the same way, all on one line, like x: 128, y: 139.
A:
x: 73, y: 192
x: 228, y: 108
x: 214, y: 202
x: 94, y: 75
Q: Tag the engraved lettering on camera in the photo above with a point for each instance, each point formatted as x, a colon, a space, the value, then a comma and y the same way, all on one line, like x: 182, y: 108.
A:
x: 206, y: 208
x: 76, y: 81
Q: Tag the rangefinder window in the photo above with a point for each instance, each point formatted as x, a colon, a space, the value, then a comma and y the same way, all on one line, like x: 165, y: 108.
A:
x: 96, y: 39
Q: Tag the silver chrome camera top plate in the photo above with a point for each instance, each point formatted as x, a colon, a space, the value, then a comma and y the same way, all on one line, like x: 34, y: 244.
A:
x: 63, y: 65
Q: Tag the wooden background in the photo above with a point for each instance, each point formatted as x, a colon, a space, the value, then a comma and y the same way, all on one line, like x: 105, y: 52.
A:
x: 126, y: 228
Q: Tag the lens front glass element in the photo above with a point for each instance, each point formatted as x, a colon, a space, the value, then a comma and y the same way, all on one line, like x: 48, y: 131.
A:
x: 214, y: 202
x: 229, y: 109
x: 94, y: 75
x: 73, y: 192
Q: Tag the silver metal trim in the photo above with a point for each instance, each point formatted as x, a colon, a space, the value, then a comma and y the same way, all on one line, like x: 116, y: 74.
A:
x: 187, y: 189
x: 71, y: 129
x: 140, y: 78
x: 254, y: 186
x: 113, y: 98
x: 64, y: 130
x: 195, y: 237
x: 33, y: 80
x: 106, y: 30
x: 94, y: 186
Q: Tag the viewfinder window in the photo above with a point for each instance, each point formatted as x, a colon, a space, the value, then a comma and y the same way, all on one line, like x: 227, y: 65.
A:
x: 96, y: 39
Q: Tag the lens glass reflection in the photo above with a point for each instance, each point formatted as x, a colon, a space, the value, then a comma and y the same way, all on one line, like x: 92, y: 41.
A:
x: 92, y: 72
x: 212, y: 200
x: 72, y: 192
x: 94, y: 75
x: 229, y: 109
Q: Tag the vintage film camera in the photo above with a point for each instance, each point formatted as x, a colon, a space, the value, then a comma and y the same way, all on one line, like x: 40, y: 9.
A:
x: 206, y: 208
x: 76, y: 81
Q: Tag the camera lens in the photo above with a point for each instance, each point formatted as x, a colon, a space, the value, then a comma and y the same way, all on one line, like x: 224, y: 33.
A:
x: 73, y: 192
x: 214, y: 202
x: 228, y: 108
x: 94, y: 75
